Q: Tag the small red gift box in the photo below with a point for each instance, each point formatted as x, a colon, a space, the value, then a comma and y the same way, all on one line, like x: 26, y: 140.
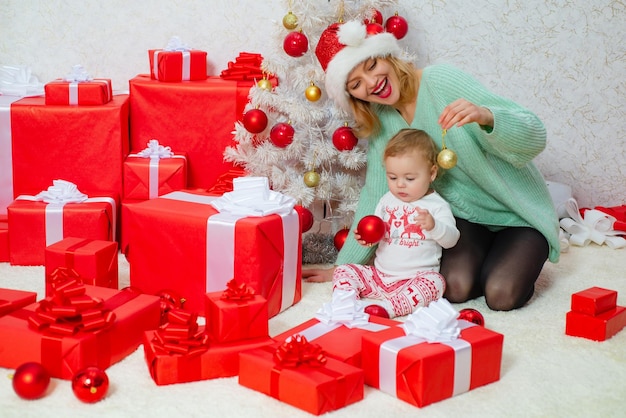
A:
x: 594, y: 301
x: 153, y: 172
x: 82, y: 144
x: 34, y: 224
x: 106, y: 325
x: 176, y: 62
x: 420, y: 372
x: 194, y: 241
x: 11, y: 300
x: 188, y: 117
x: 600, y: 327
x: 338, y: 341
x: 93, y: 261
x: 4, y: 238
x: 93, y: 92
x: 236, y: 314
x: 180, y: 351
x: 310, y: 381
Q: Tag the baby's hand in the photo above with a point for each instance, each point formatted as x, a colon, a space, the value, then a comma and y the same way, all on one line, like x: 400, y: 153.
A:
x: 358, y: 239
x: 424, y: 219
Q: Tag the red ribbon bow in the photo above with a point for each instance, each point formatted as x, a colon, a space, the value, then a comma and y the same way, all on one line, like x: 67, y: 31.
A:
x: 247, y: 66
x: 297, y: 351
x: 181, y: 334
x: 69, y: 309
x: 237, y: 291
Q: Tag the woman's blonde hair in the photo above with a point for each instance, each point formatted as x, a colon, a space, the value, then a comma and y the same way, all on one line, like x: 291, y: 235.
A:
x: 410, y: 140
x: 367, y: 121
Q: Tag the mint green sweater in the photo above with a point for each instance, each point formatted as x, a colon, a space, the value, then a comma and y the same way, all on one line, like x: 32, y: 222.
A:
x: 494, y: 183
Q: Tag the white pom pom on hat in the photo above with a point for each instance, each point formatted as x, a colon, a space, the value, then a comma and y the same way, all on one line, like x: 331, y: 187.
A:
x: 342, y: 46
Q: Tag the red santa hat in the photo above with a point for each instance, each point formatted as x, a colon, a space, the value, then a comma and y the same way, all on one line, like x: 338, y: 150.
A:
x: 342, y: 47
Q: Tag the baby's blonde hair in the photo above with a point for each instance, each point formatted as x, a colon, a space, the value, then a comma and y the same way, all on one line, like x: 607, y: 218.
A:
x: 412, y: 140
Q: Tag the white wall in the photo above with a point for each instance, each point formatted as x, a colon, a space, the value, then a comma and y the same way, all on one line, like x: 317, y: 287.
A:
x: 566, y: 60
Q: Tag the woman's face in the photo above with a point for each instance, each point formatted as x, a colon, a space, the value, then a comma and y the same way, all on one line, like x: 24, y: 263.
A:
x: 374, y: 80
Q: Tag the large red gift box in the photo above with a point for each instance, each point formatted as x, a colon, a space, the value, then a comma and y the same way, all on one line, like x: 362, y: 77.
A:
x: 180, y: 351
x: 108, y: 331
x: 595, y: 315
x: 236, y: 314
x: 173, y: 66
x: 181, y: 242
x: 421, y: 372
x: 153, y: 172
x: 82, y: 144
x: 195, y: 117
x: 310, y: 381
x: 93, y: 261
x: 93, y: 92
x: 6, y: 162
x: 339, y: 341
x: 4, y: 238
x: 34, y: 225
x: 11, y: 300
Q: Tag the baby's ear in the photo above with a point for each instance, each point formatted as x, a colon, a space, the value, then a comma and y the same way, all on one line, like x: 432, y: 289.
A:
x: 433, y: 172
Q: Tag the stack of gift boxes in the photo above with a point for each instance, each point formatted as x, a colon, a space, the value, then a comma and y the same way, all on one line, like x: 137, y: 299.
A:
x: 595, y: 314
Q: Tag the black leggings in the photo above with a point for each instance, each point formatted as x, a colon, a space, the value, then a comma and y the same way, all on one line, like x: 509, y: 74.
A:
x: 503, y: 266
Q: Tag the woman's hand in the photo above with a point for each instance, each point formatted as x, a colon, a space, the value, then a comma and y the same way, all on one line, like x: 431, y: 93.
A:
x: 461, y: 112
x: 318, y: 275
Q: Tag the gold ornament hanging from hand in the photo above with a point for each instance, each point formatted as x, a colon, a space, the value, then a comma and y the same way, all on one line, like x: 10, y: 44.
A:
x: 446, y: 158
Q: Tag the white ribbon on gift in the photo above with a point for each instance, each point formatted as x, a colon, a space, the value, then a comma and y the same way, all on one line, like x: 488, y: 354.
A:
x: 596, y: 226
x: 175, y: 45
x: 251, y: 196
x: 57, y: 196
x: 155, y: 152
x: 436, y: 323
x: 18, y: 80
x: 80, y: 75
x: 220, y: 242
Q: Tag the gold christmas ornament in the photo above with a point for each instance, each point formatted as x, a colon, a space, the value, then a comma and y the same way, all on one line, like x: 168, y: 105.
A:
x: 313, y: 93
x: 446, y: 158
x: 311, y: 178
x: 290, y: 21
x: 264, y: 84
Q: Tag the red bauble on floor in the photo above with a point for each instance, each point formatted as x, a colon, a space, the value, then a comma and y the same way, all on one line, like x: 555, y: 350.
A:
x: 31, y: 380
x: 90, y: 385
x: 472, y: 315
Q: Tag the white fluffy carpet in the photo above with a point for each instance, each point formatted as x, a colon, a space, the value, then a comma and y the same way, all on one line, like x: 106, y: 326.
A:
x: 544, y: 372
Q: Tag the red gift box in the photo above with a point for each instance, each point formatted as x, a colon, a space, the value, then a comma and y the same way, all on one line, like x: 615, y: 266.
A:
x: 82, y: 144
x: 179, y: 352
x: 4, y: 238
x: 594, y: 301
x: 174, y: 66
x: 93, y: 92
x: 94, y: 261
x: 236, y: 314
x: 199, y: 250
x: 600, y: 327
x: 338, y: 341
x: 317, y: 384
x: 179, y: 112
x: 34, y: 225
x: 11, y: 300
x: 126, y: 315
x: 148, y: 175
x: 421, y: 373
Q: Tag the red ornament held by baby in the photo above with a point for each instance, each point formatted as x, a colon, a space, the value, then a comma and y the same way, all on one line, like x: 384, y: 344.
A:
x: 371, y: 229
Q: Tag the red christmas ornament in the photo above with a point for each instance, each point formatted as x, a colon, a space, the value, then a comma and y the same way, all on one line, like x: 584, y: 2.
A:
x: 296, y: 44
x: 472, y: 315
x: 31, y: 380
x: 397, y: 25
x: 344, y: 139
x: 90, y: 385
x: 374, y: 28
x: 281, y: 134
x: 255, y: 121
x: 306, y: 217
x: 376, y: 310
x: 376, y: 17
x: 371, y: 229
x: 340, y: 238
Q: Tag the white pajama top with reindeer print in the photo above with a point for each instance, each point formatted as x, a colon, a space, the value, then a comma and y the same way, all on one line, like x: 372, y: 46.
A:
x: 406, y: 248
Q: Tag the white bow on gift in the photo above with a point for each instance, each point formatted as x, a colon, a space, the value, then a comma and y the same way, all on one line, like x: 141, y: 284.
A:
x: 596, y: 226
x: 343, y: 309
x: 251, y: 196
x: 60, y: 193
x: 78, y: 74
x: 175, y: 44
x: 19, y: 81
x: 155, y: 151
x: 436, y: 322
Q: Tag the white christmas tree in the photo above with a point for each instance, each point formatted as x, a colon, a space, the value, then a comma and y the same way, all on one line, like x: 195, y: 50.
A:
x: 295, y: 149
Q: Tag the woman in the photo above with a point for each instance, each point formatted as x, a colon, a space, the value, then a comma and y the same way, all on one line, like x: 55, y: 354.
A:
x: 500, y: 200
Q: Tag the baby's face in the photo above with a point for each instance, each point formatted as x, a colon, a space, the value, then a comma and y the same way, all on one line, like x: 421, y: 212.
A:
x: 409, y: 176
